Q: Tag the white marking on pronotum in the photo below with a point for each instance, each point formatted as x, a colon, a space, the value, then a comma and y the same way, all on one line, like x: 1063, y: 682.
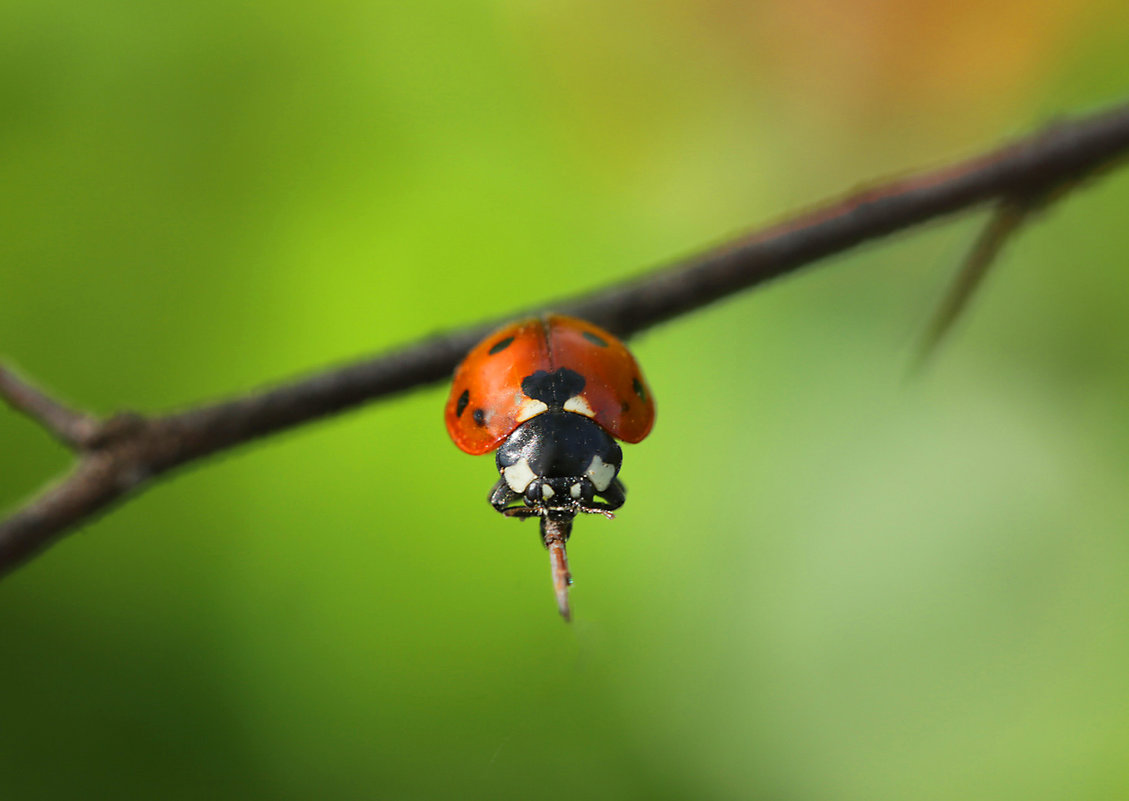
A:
x: 574, y: 490
x: 518, y: 476
x: 578, y: 404
x: 547, y: 491
x: 600, y: 473
x: 530, y: 408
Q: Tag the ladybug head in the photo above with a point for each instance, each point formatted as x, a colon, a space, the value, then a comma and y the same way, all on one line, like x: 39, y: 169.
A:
x: 558, y: 463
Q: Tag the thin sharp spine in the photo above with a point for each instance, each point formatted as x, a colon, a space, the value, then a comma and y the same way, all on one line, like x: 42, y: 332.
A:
x: 555, y: 531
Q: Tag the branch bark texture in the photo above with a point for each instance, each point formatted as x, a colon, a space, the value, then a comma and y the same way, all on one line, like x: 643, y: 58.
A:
x: 125, y: 453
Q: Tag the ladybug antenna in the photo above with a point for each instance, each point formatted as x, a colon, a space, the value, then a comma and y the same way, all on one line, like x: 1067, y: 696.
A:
x: 555, y: 528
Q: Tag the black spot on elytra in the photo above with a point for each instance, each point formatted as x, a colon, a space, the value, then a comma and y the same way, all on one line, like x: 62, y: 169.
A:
x: 460, y: 405
x: 555, y: 388
x: 501, y: 345
x: 625, y: 407
x: 640, y: 390
x: 595, y: 339
x: 479, y: 416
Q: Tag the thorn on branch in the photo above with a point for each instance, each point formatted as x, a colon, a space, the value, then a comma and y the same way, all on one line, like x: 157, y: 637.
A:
x: 77, y: 430
x: 1008, y: 217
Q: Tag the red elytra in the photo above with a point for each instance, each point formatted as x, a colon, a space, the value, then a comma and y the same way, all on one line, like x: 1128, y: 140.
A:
x: 487, y: 402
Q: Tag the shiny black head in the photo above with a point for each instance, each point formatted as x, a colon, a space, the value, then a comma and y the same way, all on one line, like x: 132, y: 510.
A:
x: 558, y: 462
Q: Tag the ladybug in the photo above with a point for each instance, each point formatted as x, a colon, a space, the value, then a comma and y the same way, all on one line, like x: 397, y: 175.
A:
x: 551, y: 395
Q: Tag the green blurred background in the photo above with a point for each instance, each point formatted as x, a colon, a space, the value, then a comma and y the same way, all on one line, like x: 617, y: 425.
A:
x: 830, y: 581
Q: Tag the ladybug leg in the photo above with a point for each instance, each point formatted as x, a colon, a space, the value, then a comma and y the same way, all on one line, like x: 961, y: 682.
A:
x: 615, y: 494
x: 502, y: 496
x: 521, y: 512
x: 597, y: 509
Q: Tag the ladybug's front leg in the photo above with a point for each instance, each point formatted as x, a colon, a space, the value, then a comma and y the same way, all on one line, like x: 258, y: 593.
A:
x: 502, y: 496
x: 615, y: 494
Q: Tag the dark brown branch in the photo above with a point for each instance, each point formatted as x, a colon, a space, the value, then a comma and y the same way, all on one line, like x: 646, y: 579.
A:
x: 125, y: 453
